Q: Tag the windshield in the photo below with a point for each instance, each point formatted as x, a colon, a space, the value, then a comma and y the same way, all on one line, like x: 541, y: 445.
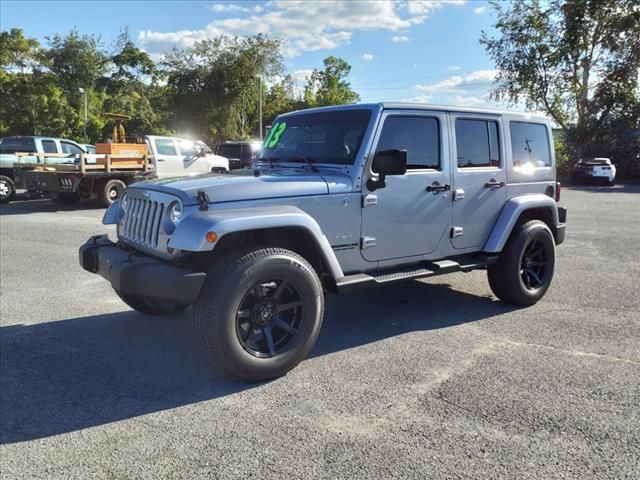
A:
x: 325, y: 137
x: 17, y: 144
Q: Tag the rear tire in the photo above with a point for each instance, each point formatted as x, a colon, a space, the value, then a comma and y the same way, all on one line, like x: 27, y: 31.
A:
x: 110, y: 192
x: 260, y: 312
x: 66, y: 198
x: 524, y: 271
x: 7, y: 189
x: 150, y: 306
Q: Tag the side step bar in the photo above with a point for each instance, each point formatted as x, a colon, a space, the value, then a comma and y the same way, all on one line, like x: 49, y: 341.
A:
x: 425, y: 269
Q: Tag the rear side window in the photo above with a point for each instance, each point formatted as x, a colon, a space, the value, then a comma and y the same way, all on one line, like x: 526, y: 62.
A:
x: 165, y: 147
x: 477, y: 143
x: 419, y: 136
x: 70, y: 148
x: 49, y: 146
x: 18, y: 144
x: 530, y: 144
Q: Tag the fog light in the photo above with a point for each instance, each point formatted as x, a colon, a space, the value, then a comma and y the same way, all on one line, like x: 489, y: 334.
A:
x: 211, y: 237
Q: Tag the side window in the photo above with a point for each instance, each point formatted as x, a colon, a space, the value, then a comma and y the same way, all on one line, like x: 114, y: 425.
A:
x: 419, y: 136
x: 165, y: 146
x: 70, y: 148
x: 530, y: 144
x: 187, y: 148
x: 477, y: 143
x: 49, y: 146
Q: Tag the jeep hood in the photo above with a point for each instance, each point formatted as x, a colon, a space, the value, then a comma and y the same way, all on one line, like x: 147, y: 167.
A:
x: 241, y: 185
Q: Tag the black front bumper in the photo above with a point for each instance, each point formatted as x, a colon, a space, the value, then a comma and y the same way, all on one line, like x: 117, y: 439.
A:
x: 133, y: 273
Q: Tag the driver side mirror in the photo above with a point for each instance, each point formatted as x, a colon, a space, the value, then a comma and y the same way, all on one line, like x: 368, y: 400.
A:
x: 201, y: 153
x: 387, y: 162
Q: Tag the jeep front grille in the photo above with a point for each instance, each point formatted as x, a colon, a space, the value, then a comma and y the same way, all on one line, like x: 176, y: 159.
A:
x: 142, y: 221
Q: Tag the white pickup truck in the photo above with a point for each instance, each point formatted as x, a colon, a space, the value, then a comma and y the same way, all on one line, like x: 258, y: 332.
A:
x: 94, y: 176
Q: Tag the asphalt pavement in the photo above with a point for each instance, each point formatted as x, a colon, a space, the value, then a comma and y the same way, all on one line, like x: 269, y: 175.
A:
x: 427, y: 379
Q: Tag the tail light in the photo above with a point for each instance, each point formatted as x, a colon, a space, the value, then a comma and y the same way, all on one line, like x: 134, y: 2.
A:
x: 558, y: 188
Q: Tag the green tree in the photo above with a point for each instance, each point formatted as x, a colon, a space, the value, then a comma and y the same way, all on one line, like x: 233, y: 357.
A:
x: 214, y: 85
x: 329, y: 85
x: 578, y: 60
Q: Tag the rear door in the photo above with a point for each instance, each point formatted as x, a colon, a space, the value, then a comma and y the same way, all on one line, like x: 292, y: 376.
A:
x: 168, y: 160
x: 479, y: 177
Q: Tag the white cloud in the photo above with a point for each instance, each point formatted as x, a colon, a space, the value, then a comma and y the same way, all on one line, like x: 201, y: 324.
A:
x: 457, y: 83
x: 479, y: 10
x: 418, y: 99
x: 367, y: 56
x: 454, y: 68
x: 301, y: 76
x: 425, y: 7
x: 468, y: 101
x: 304, y: 26
x: 399, y: 39
x: 228, y: 7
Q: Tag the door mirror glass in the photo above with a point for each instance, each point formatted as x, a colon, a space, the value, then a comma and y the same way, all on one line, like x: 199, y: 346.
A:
x: 387, y: 162
x: 390, y: 162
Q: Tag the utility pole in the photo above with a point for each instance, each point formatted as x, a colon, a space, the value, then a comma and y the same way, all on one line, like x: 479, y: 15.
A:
x: 260, y: 103
x: 84, y: 92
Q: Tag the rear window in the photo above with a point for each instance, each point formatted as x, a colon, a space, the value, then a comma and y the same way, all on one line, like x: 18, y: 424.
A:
x: 477, y: 143
x: 530, y: 145
x: 230, y: 151
x: 18, y: 144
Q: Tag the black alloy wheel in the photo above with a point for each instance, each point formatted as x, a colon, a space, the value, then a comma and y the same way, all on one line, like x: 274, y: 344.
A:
x: 268, y: 318
x: 533, y: 265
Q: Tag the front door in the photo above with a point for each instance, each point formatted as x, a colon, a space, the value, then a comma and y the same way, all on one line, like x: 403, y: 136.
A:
x: 168, y: 160
x: 411, y: 215
x: 192, y: 162
x: 479, y: 181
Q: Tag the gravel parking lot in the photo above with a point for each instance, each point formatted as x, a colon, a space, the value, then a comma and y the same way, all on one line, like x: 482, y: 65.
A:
x: 425, y: 379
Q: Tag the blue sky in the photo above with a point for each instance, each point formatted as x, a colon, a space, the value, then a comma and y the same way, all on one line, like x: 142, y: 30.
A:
x: 425, y: 51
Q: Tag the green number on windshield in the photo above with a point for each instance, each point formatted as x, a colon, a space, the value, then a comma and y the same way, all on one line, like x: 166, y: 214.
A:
x: 274, y: 134
x: 270, y: 134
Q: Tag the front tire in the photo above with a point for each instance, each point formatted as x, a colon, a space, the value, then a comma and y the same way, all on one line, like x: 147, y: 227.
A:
x: 260, y: 312
x: 524, y: 271
x: 7, y: 189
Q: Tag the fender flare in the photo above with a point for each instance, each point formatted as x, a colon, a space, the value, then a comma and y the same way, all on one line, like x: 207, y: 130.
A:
x: 190, y: 232
x: 509, y: 216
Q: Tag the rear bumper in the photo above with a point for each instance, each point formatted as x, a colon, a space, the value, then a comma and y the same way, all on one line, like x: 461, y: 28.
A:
x: 131, y: 272
x: 562, y: 223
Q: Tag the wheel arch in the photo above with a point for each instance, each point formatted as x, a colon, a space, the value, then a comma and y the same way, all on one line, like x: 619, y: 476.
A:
x: 519, y: 210
x: 286, y: 227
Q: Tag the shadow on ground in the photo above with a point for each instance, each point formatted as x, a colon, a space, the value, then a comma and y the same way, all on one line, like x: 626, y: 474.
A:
x: 24, y: 204
x: 594, y: 187
x: 67, y: 375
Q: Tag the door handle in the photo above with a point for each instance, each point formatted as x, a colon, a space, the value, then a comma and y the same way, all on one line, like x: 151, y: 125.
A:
x: 161, y: 159
x: 493, y: 183
x: 437, y: 187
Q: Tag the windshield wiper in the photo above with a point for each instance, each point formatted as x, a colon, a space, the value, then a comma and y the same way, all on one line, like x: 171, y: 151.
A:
x: 306, y: 160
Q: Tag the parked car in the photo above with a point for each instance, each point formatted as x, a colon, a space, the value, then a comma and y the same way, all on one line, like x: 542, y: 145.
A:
x: 594, y: 169
x: 341, y: 197
x: 167, y: 157
x: 240, y: 154
x: 174, y: 156
x: 29, y: 144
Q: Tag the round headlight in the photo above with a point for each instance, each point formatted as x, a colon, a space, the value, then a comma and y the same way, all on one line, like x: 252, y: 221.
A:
x: 124, y: 201
x: 175, y: 212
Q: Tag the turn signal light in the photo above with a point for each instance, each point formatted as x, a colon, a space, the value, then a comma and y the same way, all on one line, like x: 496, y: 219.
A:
x: 211, y: 237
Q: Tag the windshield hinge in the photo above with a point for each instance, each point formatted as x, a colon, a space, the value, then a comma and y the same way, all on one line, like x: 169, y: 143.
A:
x: 203, y: 199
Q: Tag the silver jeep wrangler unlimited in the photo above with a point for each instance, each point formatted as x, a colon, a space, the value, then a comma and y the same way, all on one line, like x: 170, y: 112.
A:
x: 340, y: 197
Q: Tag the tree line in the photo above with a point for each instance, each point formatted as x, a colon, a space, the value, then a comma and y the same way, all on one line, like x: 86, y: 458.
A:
x: 576, y: 60
x: 209, y: 91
